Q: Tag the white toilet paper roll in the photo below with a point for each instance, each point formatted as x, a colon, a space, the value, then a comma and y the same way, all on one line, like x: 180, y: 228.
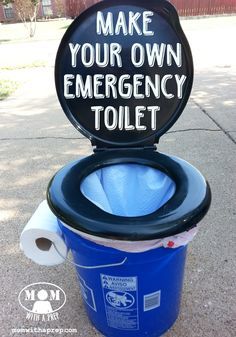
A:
x: 37, y: 237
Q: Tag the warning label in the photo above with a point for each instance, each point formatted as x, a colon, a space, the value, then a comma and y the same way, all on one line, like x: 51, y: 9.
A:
x: 121, y: 301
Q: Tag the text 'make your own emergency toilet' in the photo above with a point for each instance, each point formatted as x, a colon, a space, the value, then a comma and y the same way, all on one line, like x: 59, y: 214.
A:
x: 120, y: 85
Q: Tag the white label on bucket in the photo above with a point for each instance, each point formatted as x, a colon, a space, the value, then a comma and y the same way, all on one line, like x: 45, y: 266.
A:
x: 152, y: 301
x: 87, y: 294
x: 121, y: 301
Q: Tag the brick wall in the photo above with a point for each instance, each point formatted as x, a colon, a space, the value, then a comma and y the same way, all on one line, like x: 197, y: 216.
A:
x: 2, y: 15
x: 184, y: 7
x: 204, y: 7
x: 40, y: 12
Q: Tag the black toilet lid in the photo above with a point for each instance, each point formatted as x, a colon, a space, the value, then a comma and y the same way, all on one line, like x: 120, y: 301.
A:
x: 124, y: 72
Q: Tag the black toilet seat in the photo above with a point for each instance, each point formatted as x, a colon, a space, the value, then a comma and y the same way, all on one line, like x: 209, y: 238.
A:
x: 183, y: 211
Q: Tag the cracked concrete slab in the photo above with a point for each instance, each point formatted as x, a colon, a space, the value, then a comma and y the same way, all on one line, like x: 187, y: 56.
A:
x: 215, y: 67
x: 211, y: 41
x: 34, y: 111
x: 214, y: 91
x: 38, y: 113
x: 233, y: 135
x: 207, y: 304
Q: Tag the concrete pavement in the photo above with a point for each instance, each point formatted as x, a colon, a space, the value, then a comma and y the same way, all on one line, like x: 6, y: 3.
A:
x: 36, y: 140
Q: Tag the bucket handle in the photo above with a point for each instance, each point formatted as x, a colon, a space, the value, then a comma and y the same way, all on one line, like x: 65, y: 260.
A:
x: 89, y: 267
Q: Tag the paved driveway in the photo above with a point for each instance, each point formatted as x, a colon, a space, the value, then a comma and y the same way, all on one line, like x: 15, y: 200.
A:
x: 36, y: 140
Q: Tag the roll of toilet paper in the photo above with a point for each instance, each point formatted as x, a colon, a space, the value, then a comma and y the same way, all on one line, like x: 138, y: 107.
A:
x: 40, y: 235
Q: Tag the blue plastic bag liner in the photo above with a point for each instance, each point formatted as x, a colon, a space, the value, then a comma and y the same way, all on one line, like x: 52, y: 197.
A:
x: 128, y: 189
x: 175, y: 241
x: 131, y: 190
x: 43, y: 226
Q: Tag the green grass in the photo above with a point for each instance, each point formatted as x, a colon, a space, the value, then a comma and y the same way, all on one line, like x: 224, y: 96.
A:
x: 45, y: 31
x: 65, y: 27
x: 34, y: 64
x: 7, y: 87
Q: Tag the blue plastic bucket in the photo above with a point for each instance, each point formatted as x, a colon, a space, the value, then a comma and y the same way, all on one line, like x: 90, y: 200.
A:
x: 139, y: 297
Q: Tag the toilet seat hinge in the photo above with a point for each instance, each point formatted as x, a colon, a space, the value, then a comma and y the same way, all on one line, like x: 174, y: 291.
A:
x: 99, y: 149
